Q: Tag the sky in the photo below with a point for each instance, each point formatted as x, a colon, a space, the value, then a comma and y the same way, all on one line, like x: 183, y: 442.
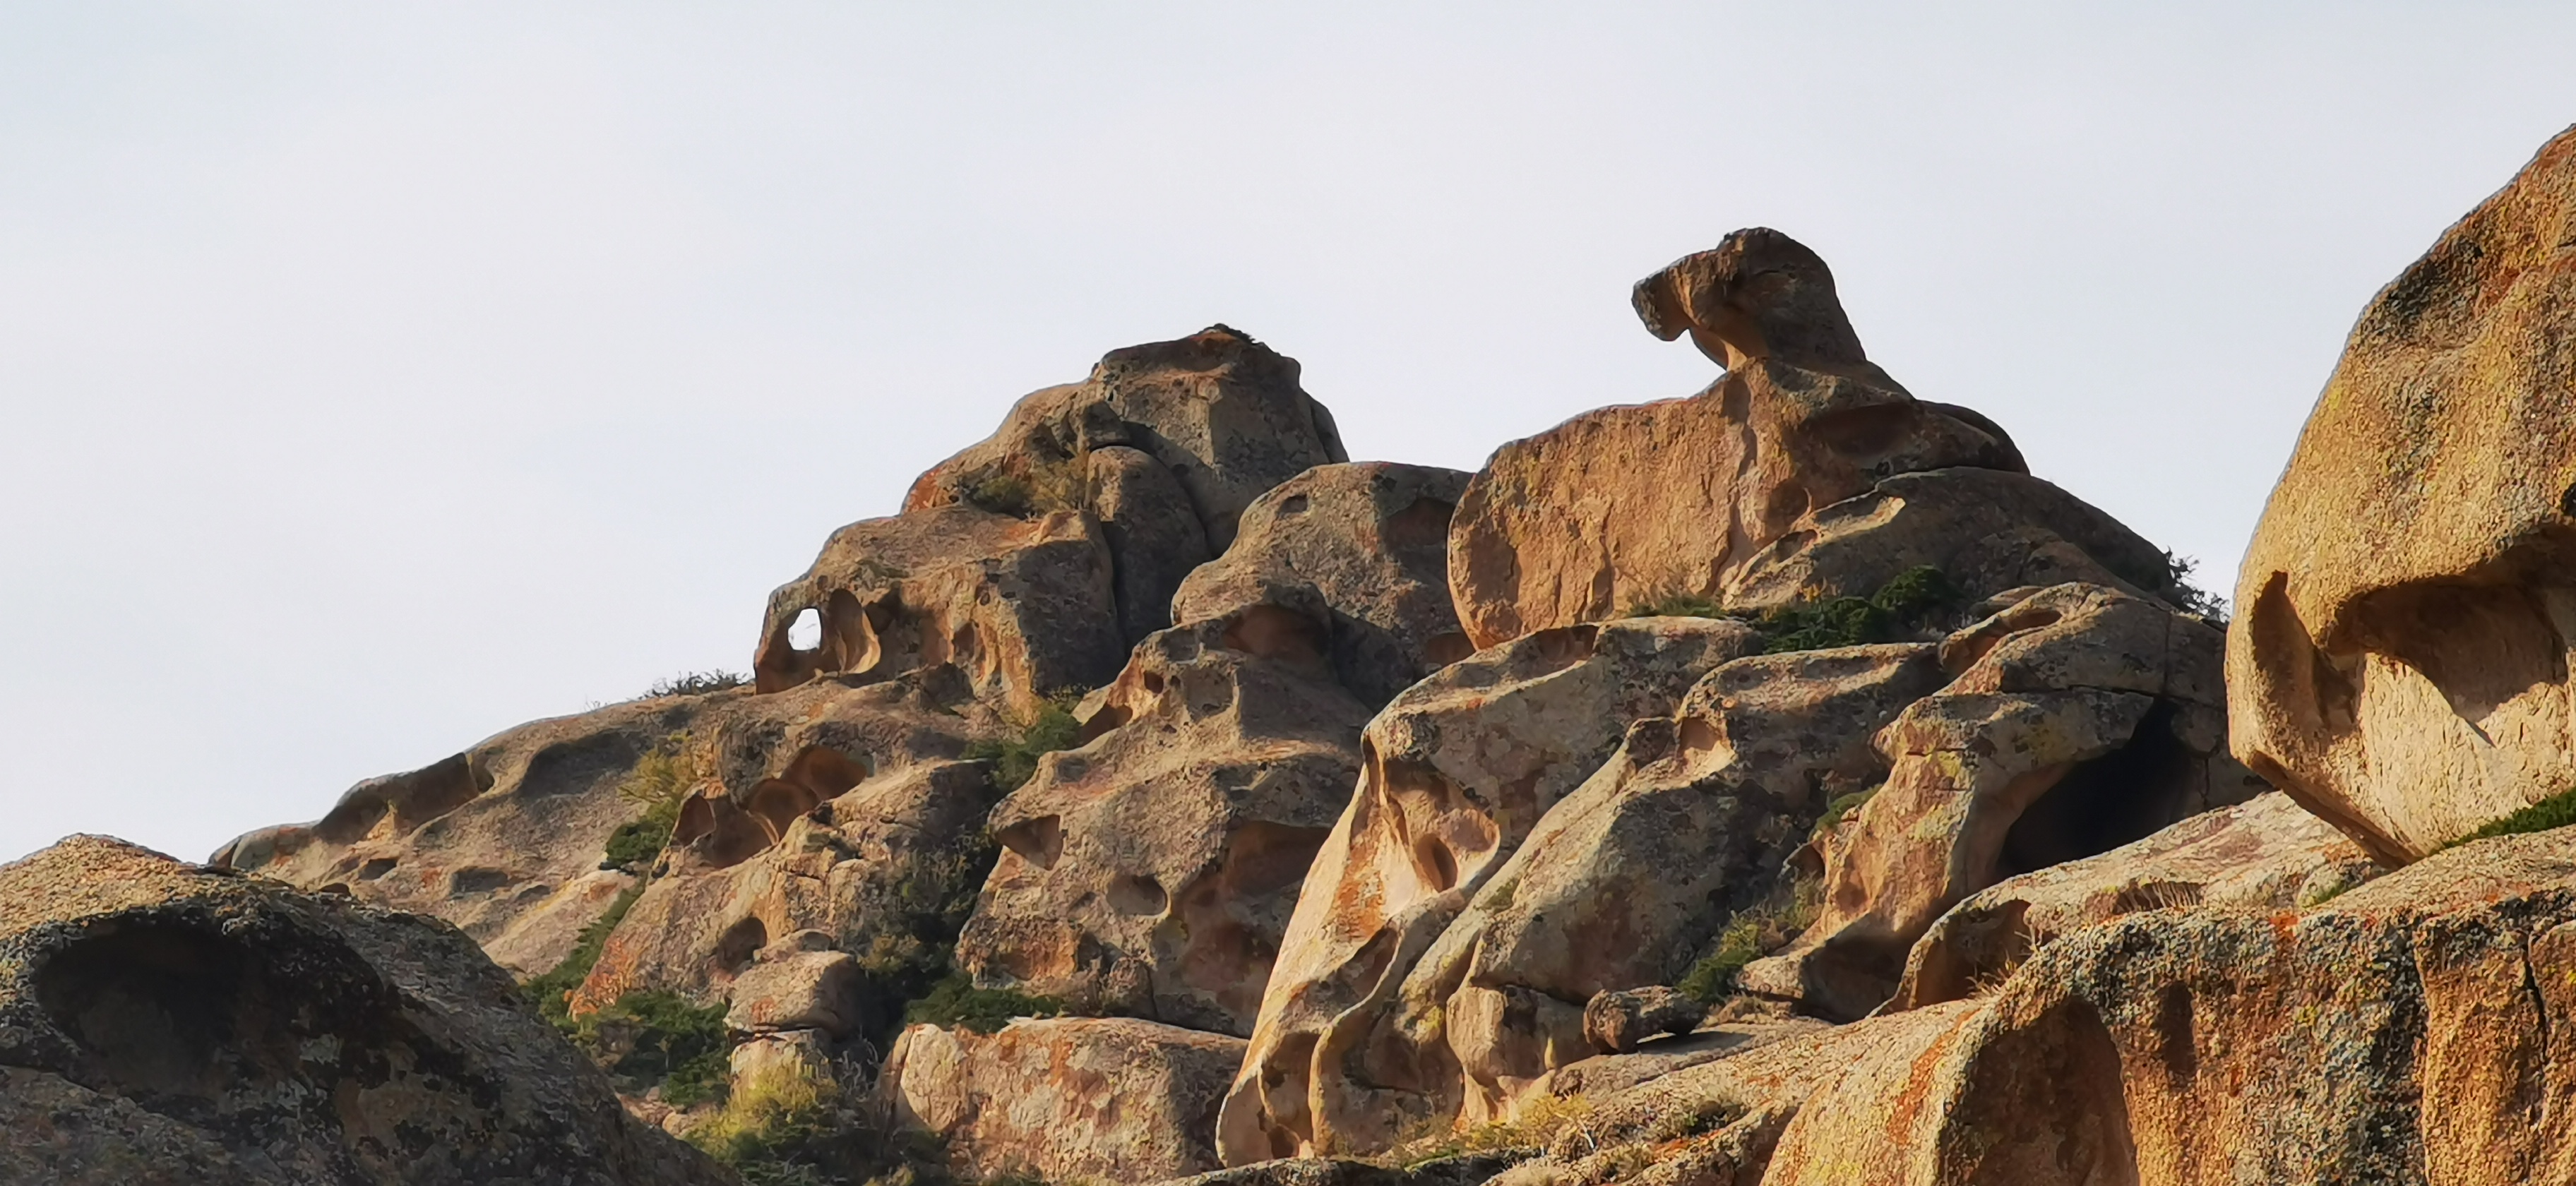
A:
x: 374, y: 377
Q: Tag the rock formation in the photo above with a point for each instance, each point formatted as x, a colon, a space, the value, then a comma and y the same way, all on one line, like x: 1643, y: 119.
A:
x: 1457, y: 770
x: 1151, y: 871
x: 2400, y: 665
x: 1629, y: 506
x: 2076, y: 720
x: 1067, y: 1099
x: 166, y: 1023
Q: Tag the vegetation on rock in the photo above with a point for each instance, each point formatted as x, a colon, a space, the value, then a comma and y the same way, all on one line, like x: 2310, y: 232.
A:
x: 1048, y: 486
x: 1909, y: 601
x: 1750, y: 935
x: 660, y: 782
x: 695, y: 683
x: 2556, y: 811
x: 1015, y: 760
x: 955, y: 1003
x: 792, y: 1126
x: 1540, y: 1122
x: 550, y: 990
x: 655, y: 1037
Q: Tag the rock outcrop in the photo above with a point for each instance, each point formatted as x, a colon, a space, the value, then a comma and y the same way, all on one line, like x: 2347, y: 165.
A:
x: 1071, y: 1099
x: 1626, y: 506
x: 1151, y: 871
x: 2076, y: 720
x: 166, y: 1023
x: 1366, y: 546
x: 1457, y: 770
x: 2400, y: 660
x: 2402, y: 1032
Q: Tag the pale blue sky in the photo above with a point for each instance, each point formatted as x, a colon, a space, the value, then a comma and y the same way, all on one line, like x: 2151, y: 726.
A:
x: 376, y: 376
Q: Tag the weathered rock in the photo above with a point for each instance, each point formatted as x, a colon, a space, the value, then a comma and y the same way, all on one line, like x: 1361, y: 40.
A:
x: 1618, y: 1020
x: 1220, y: 412
x: 161, y: 1022
x: 1024, y: 607
x: 805, y: 990
x: 506, y: 839
x: 1457, y: 770
x: 1066, y: 1099
x: 1152, y: 871
x: 1366, y: 542
x: 870, y: 872
x: 2079, y: 719
x: 2401, y: 1033
x: 2265, y: 853
x: 1987, y: 530
x: 1627, y: 505
x: 1625, y: 882
x: 2399, y: 663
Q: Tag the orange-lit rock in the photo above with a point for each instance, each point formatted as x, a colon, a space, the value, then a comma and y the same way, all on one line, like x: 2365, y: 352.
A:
x: 1069, y: 1099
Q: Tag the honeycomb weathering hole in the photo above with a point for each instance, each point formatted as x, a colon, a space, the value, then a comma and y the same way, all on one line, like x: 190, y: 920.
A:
x: 805, y: 632
x: 2101, y: 804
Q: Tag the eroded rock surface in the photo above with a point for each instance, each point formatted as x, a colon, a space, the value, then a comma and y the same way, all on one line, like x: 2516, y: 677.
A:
x: 1367, y: 546
x: 162, y: 1022
x: 1071, y: 1099
x: 1457, y: 770
x: 1625, y: 506
x: 1151, y: 871
x: 507, y: 839
x: 2078, y: 719
x: 2399, y: 662
x: 2402, y: 1032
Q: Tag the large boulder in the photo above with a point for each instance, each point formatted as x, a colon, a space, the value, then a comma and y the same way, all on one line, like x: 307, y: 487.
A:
x: 2077, y: 720
x: 2399, y: 662
x: 1068, y: 1099
x: 1625, y: 506
x: 167, y: 1023
x: 1365, y: 544
x: 1457, y: 770
x: 508, y: 840
x: 1152, y: 870
x: 2403, y: 1032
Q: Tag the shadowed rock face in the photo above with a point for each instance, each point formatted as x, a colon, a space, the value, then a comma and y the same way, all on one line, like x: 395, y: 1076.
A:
x: 1068, y: 1099
x: 2399, y: 662
x: 2079, y: 719
x: 505, y: 840
x: 163, y: 1023
x: 1627, y: 505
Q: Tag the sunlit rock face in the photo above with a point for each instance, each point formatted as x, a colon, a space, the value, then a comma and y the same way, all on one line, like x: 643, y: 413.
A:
x: 2399, y: 660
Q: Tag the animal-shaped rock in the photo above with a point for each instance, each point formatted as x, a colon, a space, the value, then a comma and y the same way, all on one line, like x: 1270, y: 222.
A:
x: 163, y: 1023
x: 2399, y: 662
x: 1626, y: 506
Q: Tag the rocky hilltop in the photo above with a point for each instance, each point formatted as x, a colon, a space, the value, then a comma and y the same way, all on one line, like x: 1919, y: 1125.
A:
x: 1776, y: 784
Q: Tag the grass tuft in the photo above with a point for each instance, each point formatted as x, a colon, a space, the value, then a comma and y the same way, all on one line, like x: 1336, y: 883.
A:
x: 655, y: 1037
x: 1750, y: 935
x: 695, y: 683
x: 1541, y: 1122
x: 550, y: 990
x: 2556, y: 811
x: 1907, y: 602
x: 1677, y: 605
x: 661, y: 781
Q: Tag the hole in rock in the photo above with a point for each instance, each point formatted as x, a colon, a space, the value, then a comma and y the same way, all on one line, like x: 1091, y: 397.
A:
x: 1038, y: 841
x: 1140, y: 896
x: 806, y: 632
x: 476, y: 879
x: 1294, y: 504
x: 375, y: 868
x: 2125, y: 795
x: 1274, y: 633
x: 739, y: 943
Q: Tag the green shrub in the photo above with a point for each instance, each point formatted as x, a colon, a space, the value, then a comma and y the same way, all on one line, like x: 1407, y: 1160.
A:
x: 1035, y: 489
x: 695, y: 683
x: 661, y: 781
x: 548, y: 991
x: 1015, y: 760
x: 1842, y: 805
x: 2556, y: 811
x: 1909, y: 601
x: 1753, y: 933
x: 1001, y: 493
x: 2170, y: 578
x: 655, y: 1037
x: 955, y: 1003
